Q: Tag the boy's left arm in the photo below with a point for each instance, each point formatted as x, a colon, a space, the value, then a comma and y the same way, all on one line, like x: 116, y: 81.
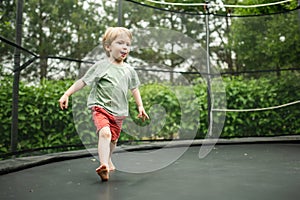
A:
x: 138, y: 100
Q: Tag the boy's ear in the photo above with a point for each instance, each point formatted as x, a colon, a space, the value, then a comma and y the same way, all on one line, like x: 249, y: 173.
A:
x: 107, y: 48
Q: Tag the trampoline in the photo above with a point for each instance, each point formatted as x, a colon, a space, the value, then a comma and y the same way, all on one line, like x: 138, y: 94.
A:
x: 238, y: 171
x: 263, y: 170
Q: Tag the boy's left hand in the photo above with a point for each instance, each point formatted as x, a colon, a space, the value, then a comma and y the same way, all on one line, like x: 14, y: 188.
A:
x: 142, y: 114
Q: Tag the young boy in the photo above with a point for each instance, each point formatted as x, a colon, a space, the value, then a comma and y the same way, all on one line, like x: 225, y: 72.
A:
x: 110, y: 81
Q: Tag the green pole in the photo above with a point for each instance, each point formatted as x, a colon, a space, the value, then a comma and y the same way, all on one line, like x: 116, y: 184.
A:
x: 209, y: 99
x: 120, y: 14
x: 15, y: 95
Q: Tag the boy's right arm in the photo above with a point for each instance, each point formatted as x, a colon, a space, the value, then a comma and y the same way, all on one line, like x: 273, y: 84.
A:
x: 64, y: 99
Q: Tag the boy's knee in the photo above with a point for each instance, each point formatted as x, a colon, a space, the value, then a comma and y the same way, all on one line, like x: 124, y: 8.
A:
x: 105, y: 132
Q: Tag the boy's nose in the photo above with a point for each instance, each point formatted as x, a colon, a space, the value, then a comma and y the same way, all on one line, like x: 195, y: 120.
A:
x: 125, y: 47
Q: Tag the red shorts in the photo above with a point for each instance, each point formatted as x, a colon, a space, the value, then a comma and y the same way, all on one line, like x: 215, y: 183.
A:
x: 102, y: 118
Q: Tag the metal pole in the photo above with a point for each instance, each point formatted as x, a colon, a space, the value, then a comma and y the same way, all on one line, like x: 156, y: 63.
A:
x: 120, y: 14
x: 298, y: 11
x: 209, y: 100
x: 15, y: 95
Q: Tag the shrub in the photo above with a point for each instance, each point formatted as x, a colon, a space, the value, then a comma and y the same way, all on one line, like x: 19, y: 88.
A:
x: 172, y: 109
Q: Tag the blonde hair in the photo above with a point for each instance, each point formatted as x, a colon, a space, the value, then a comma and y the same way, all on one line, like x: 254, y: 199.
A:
x: 111, y: 34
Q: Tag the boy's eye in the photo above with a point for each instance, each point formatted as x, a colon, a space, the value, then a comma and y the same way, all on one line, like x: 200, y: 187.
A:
x: 121, y: 43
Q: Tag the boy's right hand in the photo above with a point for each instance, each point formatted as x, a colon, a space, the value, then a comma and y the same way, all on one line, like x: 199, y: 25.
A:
x: 64, y: 101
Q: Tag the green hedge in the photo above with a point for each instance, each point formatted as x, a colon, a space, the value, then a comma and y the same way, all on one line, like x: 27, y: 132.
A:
x: 263, y: 93
x: 43, y: 124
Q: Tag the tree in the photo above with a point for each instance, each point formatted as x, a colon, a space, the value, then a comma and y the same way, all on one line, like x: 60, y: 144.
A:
x: 72, y: 28
x: 68, y: 28
x: 7, y: 30
x: 266, y: 42
x: 60, y: 28
x: 162, y: 50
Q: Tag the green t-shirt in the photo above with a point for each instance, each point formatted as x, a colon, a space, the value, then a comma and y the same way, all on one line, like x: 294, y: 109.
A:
x: 109, y: 86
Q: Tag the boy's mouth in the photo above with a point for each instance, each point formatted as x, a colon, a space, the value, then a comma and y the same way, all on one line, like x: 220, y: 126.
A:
x: 123, y: 54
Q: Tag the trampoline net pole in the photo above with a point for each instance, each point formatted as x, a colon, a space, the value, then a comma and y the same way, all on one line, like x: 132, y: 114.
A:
x: 209, y: 100
x: 120, y: 13
x: 15, y: 95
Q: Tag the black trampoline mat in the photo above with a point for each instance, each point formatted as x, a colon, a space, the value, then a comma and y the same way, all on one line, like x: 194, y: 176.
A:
x: 229, y: 172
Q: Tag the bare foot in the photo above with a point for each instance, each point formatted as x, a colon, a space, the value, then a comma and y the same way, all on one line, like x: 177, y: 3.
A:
x: 103, y: 172
x: 111, y: 166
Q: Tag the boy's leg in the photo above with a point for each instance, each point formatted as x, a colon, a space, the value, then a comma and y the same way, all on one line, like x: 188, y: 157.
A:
x: 104, y: 152
x: 104, y: 145
x: 115, y: 128
x: 113, y: 145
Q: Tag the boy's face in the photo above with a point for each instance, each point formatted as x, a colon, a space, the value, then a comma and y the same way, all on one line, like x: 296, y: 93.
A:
x: 119, y: 48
